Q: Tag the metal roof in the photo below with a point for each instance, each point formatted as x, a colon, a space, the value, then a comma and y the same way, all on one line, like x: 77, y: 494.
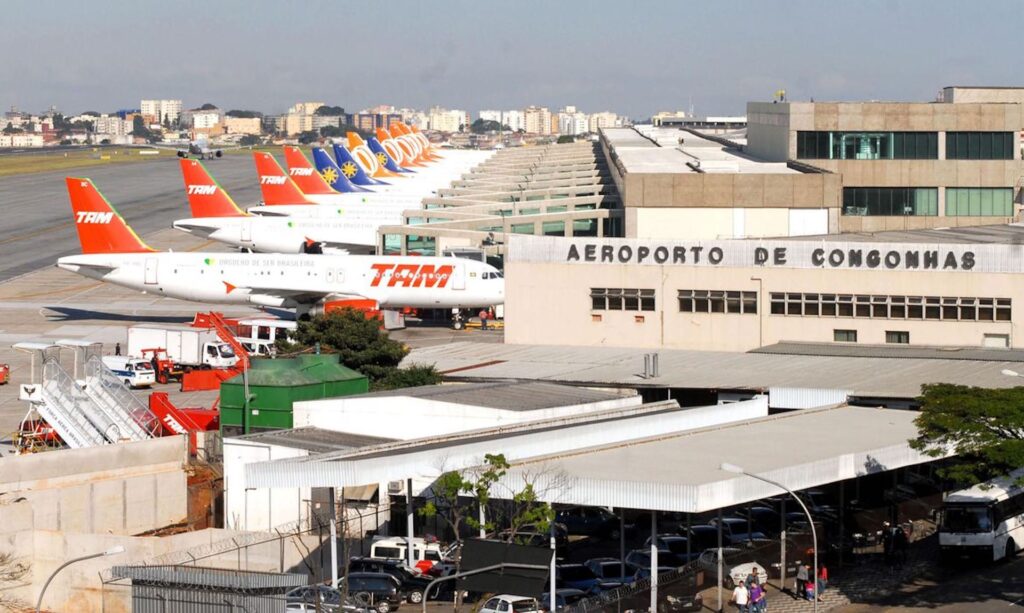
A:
x: 201, y: 577
x: 808, y: 449
x: 894, y: 351
x: 688, y: 369
x: 507, y: 395
x: 1001, y: 234
x: 311, y: 438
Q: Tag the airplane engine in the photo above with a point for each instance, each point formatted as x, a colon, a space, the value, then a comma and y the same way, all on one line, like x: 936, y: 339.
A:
x: 218, y: 153
x: 182, y: 154
x: 324, y: 307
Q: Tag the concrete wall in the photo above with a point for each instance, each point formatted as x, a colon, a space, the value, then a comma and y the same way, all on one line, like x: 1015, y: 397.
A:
x: 114, y: 489
x: 703, y: 222
x: 1014, y: 95
x: 246, y: 509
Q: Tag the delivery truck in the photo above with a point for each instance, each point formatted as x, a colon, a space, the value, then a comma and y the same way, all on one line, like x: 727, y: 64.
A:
x: 188, y: 347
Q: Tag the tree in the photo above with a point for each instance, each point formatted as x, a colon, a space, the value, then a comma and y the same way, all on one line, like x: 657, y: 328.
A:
x: 250, y: 140
x: 207, y: 107
x: 10, y: 129
x: 105, y: 141
x: 139, y: 127
x: 12, y: 572
x: 483, y: 126
x: 566, y: 138
x: 329, y: 110
x: 363, y: 347
x: 309, y: 136
x: 983, y: 427
x: 91, y: 113
x: 244, y: 114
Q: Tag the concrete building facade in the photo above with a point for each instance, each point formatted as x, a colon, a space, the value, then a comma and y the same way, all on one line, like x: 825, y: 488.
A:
x: 930, y: 288
x: 161, y: 109
x: 537, y: 120
x: 956, y: 162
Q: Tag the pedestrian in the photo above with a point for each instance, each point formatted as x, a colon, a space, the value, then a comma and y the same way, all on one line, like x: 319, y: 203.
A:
x: 899, y: 546
x: 887, y: 536
x: 757, y: 597
x: 117, y: 348
x: 741, y: 598
x: 822, y: 578
x: 483, y: 319
x: 801, y: 581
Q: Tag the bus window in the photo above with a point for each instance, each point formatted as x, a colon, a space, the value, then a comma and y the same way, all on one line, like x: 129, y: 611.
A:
x: 966, y: 519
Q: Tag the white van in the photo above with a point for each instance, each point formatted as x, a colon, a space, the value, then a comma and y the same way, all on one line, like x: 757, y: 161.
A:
x: 425, y: 555
x: 134, y: 372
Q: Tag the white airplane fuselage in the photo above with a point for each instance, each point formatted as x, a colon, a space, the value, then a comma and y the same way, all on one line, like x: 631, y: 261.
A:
x: 298, y: 281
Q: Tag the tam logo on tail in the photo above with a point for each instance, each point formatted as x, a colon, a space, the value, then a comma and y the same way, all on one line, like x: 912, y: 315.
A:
x: 301, y: 172
x: 272, y: 180
x: 93, y: 217
x: 202, y: 190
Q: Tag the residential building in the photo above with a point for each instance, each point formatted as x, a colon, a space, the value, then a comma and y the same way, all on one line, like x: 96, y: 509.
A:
x: 537, y: 120
x: 604, y: 119
x: 21, y: 139
x: 111, y: 124
x: 572, y: 122
x: 242, y: 125
x: 161, y: 110
x: 904, y: 165
x: 300, y: 117
x: 513, y: 119
x: 445, y: 120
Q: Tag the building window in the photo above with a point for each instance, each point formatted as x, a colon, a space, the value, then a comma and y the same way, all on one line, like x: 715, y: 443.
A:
x: 890, y: 201
x: 717, y: 301
x: 867, y: 145
x: 865, y: 306
x: 897, y: 337
x: 979, y: 145
x: 979, y: 201
x: 844, y: 336
x: 621, y: 299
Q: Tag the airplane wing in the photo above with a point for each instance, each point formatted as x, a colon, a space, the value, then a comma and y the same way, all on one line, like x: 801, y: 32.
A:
x: 301, y: 295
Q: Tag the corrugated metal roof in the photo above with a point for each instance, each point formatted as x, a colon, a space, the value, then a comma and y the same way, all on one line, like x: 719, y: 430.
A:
x: 808, y: 449
x: 856, y: 350
x: 507, y: 395
x: 311, y: 438
x: 202, y: 577
x: 612, y: 366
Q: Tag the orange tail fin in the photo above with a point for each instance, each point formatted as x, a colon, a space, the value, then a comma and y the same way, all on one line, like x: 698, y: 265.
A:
x: 206, y: 197
x: 100, y: 228
x: 277, y: 187
x: 302, y: 172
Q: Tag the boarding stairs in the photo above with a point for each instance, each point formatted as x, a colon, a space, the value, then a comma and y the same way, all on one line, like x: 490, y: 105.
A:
x: 134, y: 420
x: 59, y: 405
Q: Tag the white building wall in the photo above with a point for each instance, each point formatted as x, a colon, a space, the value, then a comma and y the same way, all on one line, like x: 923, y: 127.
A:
x: 259, y: 509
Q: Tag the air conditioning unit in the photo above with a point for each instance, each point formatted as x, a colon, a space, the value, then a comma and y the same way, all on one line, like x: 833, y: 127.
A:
x: 396, y: 487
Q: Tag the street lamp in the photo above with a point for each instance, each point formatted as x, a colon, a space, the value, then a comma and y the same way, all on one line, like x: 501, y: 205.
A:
x: 110, y: 552
x: 732, y: 468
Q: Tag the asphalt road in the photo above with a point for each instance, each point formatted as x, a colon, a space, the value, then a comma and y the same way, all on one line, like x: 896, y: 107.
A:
x: 37, y: 226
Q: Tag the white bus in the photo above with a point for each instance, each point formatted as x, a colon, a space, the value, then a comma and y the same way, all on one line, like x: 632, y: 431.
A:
x: 985, y: 521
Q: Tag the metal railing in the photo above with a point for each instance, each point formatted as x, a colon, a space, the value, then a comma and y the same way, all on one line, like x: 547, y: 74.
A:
x: 69, y: 411
x: 111, y: 395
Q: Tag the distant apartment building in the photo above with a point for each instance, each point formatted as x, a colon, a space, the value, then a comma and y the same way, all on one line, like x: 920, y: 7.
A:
x: 513, y: 119
x: 906, y: 166
x: 300, y: 117
x: 205, y: 120
x: 22, y: 139
x: 242, y: 125
x: 413, y: 117
x: 369, y: 122
x: 273, y: 124
x: 447, y: 120
x: 111, y: 124
x: 160, y: 110
x: 537, y: 120
x: 572, y: 122
x: 604, y: 119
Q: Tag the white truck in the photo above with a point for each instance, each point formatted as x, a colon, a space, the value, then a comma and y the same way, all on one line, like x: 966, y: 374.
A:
x: 186, y: 346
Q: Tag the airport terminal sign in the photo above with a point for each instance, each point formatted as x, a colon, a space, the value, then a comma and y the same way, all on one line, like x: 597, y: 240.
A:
x: 779, y: 253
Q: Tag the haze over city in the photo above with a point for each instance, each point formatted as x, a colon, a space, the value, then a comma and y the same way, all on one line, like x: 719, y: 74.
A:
x: 634, y: 59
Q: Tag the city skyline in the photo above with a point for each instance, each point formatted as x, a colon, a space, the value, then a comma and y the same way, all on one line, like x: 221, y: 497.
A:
x: 473, y: 57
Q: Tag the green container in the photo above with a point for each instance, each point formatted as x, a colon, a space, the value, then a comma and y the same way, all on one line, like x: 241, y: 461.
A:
x: 274, y: 387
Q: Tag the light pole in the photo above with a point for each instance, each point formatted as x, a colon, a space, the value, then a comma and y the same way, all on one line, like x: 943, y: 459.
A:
x: 732, y: 468
x: 110, y: 552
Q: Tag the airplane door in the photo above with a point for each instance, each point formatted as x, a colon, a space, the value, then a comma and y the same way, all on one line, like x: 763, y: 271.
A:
x: 330, y: 276
x: 459, y: 277
x: 151, y: 264
x: 247, y: 231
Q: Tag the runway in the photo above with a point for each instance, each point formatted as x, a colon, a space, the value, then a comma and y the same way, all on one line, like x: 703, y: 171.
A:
x: 37, y: 227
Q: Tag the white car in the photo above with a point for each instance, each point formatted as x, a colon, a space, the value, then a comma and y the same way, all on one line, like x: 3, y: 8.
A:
x: 735, y: 573
x: 507, y: 603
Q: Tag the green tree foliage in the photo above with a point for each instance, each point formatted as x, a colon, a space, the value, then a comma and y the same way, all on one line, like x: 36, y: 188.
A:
x: 483, y: 126
x: 243, y: 114
x: 140, y: 129
x: 984, y: 427
x: 10, y: 129
x: 363, y: 347
x: 342, y: 131
x: 91, y: 113
x: 309, y: 136
x: 566, y: 138
x: 207, y: 107
x: 250, y: 140
x: 330, y: 110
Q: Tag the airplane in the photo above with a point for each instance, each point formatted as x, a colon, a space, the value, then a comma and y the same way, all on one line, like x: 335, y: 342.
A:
x: 367, y: 158
x: 198, y: 147
x: 310, y: 284
x: 215, y: 216
x: 310, y: 181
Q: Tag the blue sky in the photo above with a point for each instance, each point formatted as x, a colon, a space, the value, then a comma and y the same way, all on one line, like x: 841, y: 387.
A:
x: 631, y: 57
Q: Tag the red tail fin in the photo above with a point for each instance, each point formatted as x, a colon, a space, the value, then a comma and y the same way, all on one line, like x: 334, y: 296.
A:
x: 277, y: 187
x: 100, y: 228
x: 205, y: 196
x: 302, y: 172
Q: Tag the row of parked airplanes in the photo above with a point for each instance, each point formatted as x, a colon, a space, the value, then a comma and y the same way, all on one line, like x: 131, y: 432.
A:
x: 300, y: 249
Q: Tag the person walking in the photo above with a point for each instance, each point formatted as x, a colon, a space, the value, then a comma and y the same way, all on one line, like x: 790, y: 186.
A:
x: 822, y: 580
x: 483, y: 319
x: 757, y: 597
x: 741, y: 598
x: 801, y: 581
x: 117, y: 348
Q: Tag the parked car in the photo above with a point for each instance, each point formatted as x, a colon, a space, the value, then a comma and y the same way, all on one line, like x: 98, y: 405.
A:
x: 609, y: 570
x: 508, y: 603
x: 379, y: 591
x: 591, y: 521
x: 677, y: 594
x: 411, y: 584
x: 676, y: 545
x: 577, y: 576
x: 736, y: 530
x: 735, y: 571
x: 764, y: 519
x: 703, y: 537
x: 308, y: 596
x: 641, y: 558
x: 563, y: 598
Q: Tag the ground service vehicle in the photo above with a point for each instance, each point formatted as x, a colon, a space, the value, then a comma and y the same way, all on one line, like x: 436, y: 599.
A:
x: 134, y: 372
x: 186, y: 346
x: 985, y: 521
x: 424, y: 554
